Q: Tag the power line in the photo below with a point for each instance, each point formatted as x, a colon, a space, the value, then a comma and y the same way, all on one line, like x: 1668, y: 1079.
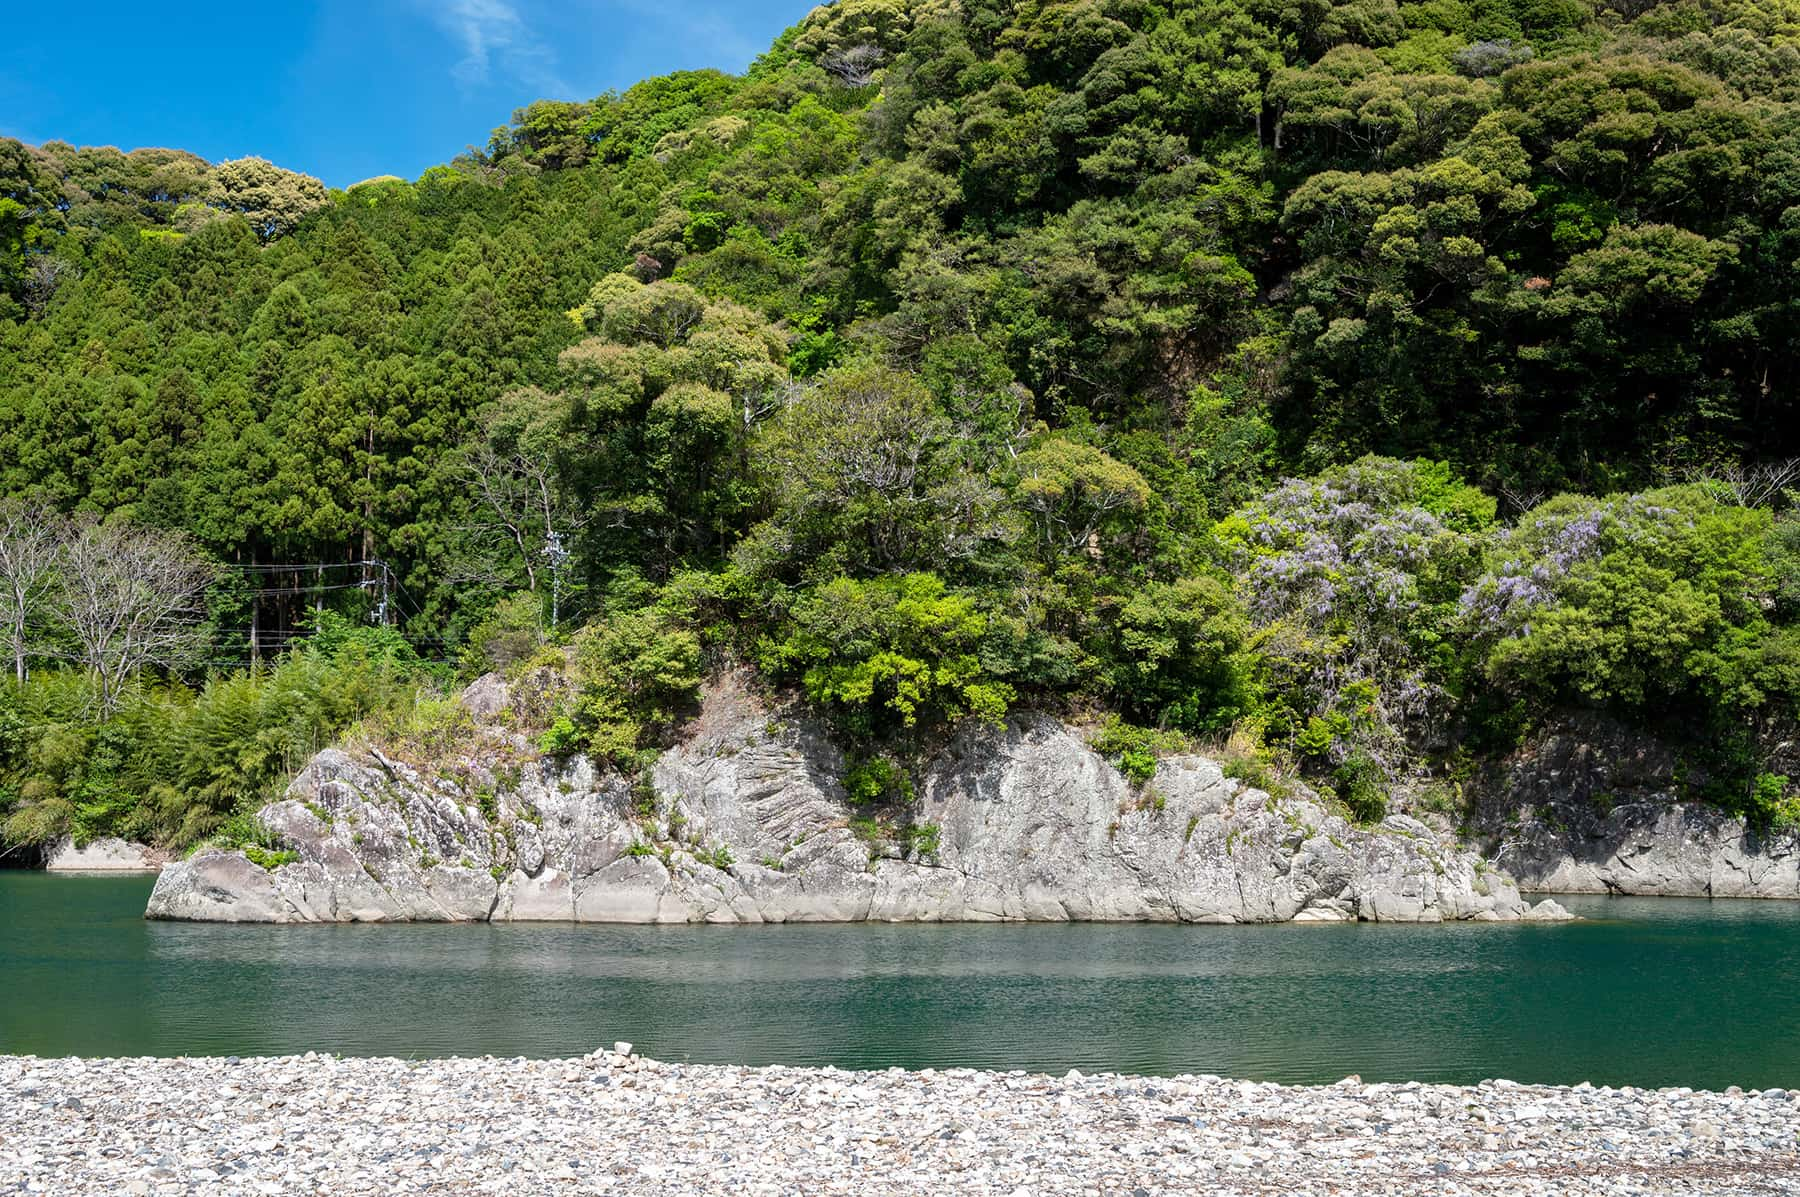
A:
x: 297, y: 567
x: 317, y: 588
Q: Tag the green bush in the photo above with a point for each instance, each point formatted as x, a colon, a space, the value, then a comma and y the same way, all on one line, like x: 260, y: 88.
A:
x: 1135, y: 750
x: 245, y: 830
x: 1182, y: 655
x: 1246, y: 759
x: 920, y: 840
x: 1627, y: 601
x: 878, y: 779
x: 269, y: 859
x: 885, y: 653
x: 561, y: 738
x: 635, y: 675
x: 174, y: 763
x: 512, y: 633
x: 1774, y: 803
x: 1362, y: 786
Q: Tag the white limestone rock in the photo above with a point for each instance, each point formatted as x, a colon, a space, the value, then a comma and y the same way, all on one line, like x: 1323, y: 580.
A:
x: 106, y: 855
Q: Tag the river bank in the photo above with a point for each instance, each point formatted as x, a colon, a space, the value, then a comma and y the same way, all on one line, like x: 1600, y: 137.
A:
x: 611, y: 1123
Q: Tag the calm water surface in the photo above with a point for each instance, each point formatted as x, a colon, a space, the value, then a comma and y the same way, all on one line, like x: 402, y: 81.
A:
x: 1647, y: 992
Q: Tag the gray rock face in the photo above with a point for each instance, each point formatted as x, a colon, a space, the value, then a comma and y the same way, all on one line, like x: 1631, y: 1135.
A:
x: 1665, y: 849
x: 747, y: 822
x: 108, y: 855
x: 1586, y: 809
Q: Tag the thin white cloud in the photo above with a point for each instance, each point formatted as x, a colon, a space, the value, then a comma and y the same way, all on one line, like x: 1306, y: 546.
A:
x: 703, y: 28
x: 494, y: 37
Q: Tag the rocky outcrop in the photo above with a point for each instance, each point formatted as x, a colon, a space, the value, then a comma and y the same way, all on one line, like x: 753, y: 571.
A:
x: 1587, y: 807
x: 747, y: 822
x: 107, y: 855
x: 1664, y: 849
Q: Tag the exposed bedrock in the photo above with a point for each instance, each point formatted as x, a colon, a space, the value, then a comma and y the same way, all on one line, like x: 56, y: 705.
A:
x: 747, y: 821
x: 1588, y: 807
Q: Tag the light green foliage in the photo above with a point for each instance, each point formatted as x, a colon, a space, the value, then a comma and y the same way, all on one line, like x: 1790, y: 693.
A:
x: 921, y: 840
x: 878, y: 780
x: 257, y: 840
x: 1135, y: 750
x: 1074, y: 491
x: 174, y: 763
x: 890, y: 651
x: 860, y: 468
x: 510, y: 636
x: 1252, y: 764
x: 1773, y: 803
x: 635, y: 674
x: 265, y: 858
x: 429, y: 728
x: 561, y: 738
x: 1632, y: 600
x: 273, y: 200
x: 1782, y: 552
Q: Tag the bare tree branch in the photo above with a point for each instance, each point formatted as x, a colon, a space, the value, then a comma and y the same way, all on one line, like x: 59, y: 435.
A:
x: 854, y: 66
x: 1757, y: 484
x: 519, y: 501
x: 30, y: 545
x: 130, y: 598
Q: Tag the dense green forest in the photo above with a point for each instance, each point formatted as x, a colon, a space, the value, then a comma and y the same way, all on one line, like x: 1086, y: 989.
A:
x: 1363, y: 381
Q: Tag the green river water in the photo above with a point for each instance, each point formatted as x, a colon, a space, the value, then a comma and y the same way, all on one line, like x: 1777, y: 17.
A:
x: 1645, y: 991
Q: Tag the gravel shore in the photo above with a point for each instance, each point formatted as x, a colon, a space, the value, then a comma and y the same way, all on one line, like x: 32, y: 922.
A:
x: 617, y: 1123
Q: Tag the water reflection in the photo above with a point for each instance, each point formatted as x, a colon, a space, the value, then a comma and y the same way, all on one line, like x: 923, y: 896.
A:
x: 1647, y: 992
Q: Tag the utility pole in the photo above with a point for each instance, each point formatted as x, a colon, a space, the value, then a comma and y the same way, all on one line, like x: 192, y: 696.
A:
x: 558, y: 556
x: 381, y: 613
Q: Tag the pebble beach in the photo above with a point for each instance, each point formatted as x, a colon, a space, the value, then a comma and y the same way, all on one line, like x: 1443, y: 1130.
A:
x: 614, y: 1122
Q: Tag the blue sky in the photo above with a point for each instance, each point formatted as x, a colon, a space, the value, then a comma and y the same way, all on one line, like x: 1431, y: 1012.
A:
x: 346, y: 89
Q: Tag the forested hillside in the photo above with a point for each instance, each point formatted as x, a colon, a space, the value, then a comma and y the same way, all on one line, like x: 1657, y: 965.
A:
x: 1363, y: 381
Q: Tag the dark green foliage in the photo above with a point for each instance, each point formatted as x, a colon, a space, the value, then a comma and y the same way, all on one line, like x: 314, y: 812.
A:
x: 1183, y: 656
